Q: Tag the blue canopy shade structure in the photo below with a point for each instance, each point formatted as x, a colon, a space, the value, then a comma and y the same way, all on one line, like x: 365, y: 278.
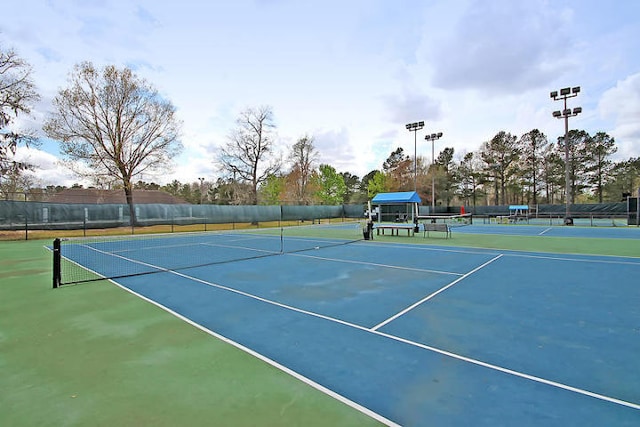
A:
x: 397, y: 207
x: 396, y: 198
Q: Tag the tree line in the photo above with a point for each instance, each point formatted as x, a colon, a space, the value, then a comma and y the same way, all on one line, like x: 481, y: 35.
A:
x: 113, y: 127
x: 504, y: 170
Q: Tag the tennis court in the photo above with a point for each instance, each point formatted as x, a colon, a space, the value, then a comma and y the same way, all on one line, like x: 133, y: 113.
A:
x: 553, y: 231
x: 408, y: 334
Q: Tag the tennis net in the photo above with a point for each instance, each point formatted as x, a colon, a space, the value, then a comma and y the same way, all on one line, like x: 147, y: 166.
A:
x: 458, y: 220
x: 78, y: 260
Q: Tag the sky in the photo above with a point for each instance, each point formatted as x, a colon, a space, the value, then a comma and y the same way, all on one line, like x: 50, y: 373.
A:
x: 349, y: 73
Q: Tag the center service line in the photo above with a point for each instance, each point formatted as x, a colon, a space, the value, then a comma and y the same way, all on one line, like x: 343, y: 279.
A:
x: 428, y: 297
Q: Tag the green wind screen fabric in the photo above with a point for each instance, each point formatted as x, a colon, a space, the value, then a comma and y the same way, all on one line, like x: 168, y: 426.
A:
x: 15, y: 215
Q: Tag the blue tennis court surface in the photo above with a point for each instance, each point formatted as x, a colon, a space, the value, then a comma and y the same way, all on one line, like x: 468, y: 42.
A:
x: 553, y: 231
x: 420, y: 335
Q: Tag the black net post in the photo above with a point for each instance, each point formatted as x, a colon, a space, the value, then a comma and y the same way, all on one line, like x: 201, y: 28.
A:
x: 57, y: 274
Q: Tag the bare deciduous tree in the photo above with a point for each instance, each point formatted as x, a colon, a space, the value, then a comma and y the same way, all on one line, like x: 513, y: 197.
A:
x: 115, y: 123
x: 303, y: 156
x: 17, y: 94
x: 249, y: 154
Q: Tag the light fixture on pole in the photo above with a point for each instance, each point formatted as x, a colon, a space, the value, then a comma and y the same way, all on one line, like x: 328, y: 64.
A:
x: 433, y: 137
x: 201, y: 193
x: 566, y: 93
x: 415, y: 127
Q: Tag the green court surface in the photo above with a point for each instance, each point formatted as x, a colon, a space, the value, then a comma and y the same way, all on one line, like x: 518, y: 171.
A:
x: 96, y: 355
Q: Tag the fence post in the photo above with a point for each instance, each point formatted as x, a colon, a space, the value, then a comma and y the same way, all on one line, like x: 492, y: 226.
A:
x: 638, y: 209
x: 26, y: 217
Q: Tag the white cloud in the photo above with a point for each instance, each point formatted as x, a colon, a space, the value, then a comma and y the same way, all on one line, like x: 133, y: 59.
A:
x: 410, y: 106
x: 622, y: 102
x: 335, y: 150
x: 188, y: 168
x: 501, y: 46
x: 48, y: 169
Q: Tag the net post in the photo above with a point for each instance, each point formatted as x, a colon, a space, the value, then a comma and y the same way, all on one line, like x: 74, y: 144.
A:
x: 57, y: 276
x: 281, y: 229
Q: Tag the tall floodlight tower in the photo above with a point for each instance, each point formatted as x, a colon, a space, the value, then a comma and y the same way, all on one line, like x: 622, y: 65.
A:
x: 433, y: 137
x: 415, y: 127
x: 565, y: 94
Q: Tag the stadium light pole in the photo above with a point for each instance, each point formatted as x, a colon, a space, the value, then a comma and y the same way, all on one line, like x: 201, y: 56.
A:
x: 201, y: 194
x: 566, y: 93
x: 433, y: 137
x: 415, y: 127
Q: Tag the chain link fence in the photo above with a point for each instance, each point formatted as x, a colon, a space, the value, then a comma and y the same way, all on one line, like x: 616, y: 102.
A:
x: 29, y: 216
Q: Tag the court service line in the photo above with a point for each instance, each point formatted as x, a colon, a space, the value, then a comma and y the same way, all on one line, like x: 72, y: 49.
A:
x: 375, y: 264
x: 217, y: 245
x: 428, y: 297
x: 212, y: 242
x: 422, y: 247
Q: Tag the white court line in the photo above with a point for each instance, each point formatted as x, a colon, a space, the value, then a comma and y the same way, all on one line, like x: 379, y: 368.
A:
x: 514, y: 373
x: 269, y: 361
x: 423, y: 346
x: 181, y: 245
x: 596, y: 258
x: 396, y: 267
x: 428, y: 297
x: 368, y: 330
x: 173, y: 245
x: 422, y: 247
x: 588, y: 258
x: 544, y: 231
x: 254, y: 353
x: 217, y: 245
